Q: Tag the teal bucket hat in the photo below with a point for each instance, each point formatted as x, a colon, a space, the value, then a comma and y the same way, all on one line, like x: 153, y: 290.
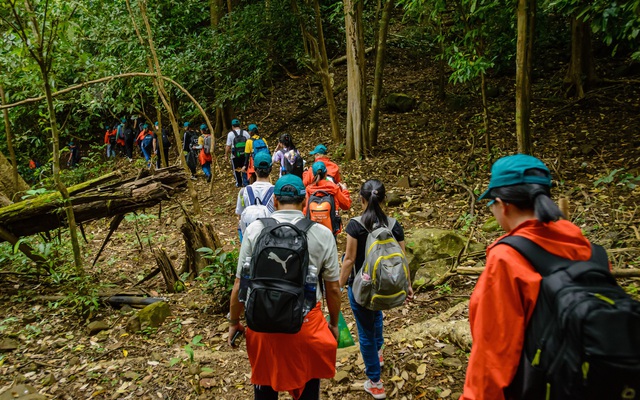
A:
x: 510, y: 171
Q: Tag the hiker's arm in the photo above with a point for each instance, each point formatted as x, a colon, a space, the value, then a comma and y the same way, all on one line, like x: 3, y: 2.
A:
x: 349, y: 259
x: 227, y: 150
x: 344, y: 197
x: 333, y: 304
x: 235, y: 310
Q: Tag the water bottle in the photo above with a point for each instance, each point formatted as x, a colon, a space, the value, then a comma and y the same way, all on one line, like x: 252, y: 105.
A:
x: 310, y: 289
x: 245, y: 276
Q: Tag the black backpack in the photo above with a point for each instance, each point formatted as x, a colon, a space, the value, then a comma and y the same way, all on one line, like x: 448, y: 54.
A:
x: 292, y: 163
x: 279, y: 266
x: 239, y: 143
x: 187, y: 140
x: 112, y: 140
x: 583, y: 340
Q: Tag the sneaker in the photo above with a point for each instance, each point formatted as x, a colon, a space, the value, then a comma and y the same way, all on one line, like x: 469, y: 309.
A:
x: 193, y: 178
x: 381, y: 358
x: 375, y: 389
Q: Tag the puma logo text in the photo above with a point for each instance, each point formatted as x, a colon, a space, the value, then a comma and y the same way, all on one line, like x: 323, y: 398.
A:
x: 273, y: 256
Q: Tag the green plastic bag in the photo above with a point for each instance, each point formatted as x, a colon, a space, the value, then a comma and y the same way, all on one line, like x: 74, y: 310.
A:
x: 344, y: 336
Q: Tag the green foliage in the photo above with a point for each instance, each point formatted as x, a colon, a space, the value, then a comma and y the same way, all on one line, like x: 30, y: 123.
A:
x: 220, y: 274
x: 443, y: 289
x: 624, y: 179
x: 189, y: 348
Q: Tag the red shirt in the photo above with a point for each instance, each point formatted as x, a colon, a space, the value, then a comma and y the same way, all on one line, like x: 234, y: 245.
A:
x: 332, y: 170
x: 502, y: 303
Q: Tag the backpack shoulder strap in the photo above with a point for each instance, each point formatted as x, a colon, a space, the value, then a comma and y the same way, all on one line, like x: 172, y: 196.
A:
x: 543, y: 261
x: 599, y: 255
x: 267, y: 195
x: 391, y: 222
x: 304, y: 224
x: 268, y: 222
x: 252, y: 197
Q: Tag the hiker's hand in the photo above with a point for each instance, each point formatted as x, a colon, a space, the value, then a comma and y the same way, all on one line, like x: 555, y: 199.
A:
x: 244, y: 169
x: 410, y: 294
x: 342, y: 186
x: 334, y: 331
x: 232, y: 331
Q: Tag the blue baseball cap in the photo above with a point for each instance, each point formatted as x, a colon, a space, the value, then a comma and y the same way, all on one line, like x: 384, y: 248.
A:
x: 145, y: 126
x: 510, y: 171
x: 203, y: 126
x: 289, y: 185
x: 106, y: 127
x: 262, y: 160
x: 186, y: 124
x: 235, y: 122
x: 252, y: 127
x: 157, y: 123
x: 319, y: 168
x: 123, y: 119
x: 320, y: 149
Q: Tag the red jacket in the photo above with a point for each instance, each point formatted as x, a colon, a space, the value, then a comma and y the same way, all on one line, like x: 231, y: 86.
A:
x: 503, y: 301
x: 341, y: 196
x: 107, y: 136
x: 332, y: 170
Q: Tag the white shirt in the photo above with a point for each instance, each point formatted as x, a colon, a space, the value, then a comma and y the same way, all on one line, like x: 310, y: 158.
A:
x: 321, y: 245
x: 259, y: 190
x: 232, y: 134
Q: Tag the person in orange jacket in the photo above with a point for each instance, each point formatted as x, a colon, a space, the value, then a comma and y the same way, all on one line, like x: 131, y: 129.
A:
x: 110, y: 141
x: 333, y: 170
x: 506, y: 293
x: 341, y: 196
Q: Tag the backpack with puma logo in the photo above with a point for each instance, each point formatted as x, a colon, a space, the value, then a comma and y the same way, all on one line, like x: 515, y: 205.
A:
x: 279, y: 267
x: 583, y: 338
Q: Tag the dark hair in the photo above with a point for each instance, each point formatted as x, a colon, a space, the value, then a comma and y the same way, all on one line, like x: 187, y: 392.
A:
x: 263, y: 172
x: 374, y: 193
x: 291, y: 199
x: 319, y: 175
x: 287, y: 141
x: 531, y: 196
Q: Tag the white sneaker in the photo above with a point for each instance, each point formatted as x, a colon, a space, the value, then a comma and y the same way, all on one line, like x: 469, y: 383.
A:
x: 375, y: 389
x: 381, y: 358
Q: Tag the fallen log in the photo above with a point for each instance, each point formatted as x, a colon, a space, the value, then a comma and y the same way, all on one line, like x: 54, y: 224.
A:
x: 92, y: 200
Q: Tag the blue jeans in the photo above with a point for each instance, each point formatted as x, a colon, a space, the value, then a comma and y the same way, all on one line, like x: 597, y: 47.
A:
x: 147, y: 155
x: 206, y: 168
x: 370, y: 336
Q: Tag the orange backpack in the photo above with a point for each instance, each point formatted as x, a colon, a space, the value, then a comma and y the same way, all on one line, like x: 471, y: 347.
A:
x: 321, y: 208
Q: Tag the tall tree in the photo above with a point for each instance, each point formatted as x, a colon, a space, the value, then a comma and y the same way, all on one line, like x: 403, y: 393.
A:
x: 526, y: 13
x: 39, y: 38
x: 381, y: 48
x: 357, y: 138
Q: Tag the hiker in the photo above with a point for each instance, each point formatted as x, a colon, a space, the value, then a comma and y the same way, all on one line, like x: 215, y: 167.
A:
x: 127, y: 134
x: 204, y: 155
x: 289, y: 158
x: 255, y: 145
x: 503, y: 302
x: 293, y: 362
x: 369, y: 323
x: 259, y: 193
x: 333, y: 171
x: 189, y: 142
x: 110, y: 140
x: 74, y: 155
x: 166, y: 144
x: 147, y: 142
x: 234, y: 151
x: 325, y: 199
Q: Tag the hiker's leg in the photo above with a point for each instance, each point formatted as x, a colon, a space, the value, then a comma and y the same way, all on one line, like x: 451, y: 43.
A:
x: 311, y: 390
x: 206, y: 168
x: 366, y: 320
x: 262, y: 392
x: 378, y: 328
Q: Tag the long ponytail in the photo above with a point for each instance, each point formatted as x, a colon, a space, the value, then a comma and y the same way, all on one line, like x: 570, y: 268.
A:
x: 374, y: 193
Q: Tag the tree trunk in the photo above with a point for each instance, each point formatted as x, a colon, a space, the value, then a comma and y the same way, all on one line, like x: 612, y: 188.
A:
x: 485, y: 112
x: 377, y: 77
x: 526, y: 17
x: 171, y: 278
x: 18, y: 183
x: 7, y: 186
x: 197, y: 234
x: 356, y: 123
x: 581, y: 73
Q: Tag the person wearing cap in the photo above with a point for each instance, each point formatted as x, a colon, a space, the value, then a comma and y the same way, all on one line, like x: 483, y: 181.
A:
x: 74, y: 155
x: 127, y: 135
x: 147, y: 142
x: 110, y: 141
x: 234, y: 151
x: 341, y: 195
x: 333, y: 170
x: 293, y: 362
x: 506, y: 293
x: 189, y: 142
x: 259, y: 188
x: 204, y: 157
x: 253, y: 146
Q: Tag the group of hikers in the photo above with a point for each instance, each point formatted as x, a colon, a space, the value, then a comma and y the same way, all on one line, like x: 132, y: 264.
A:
x: 548, y: 320
x: 123, y: 138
